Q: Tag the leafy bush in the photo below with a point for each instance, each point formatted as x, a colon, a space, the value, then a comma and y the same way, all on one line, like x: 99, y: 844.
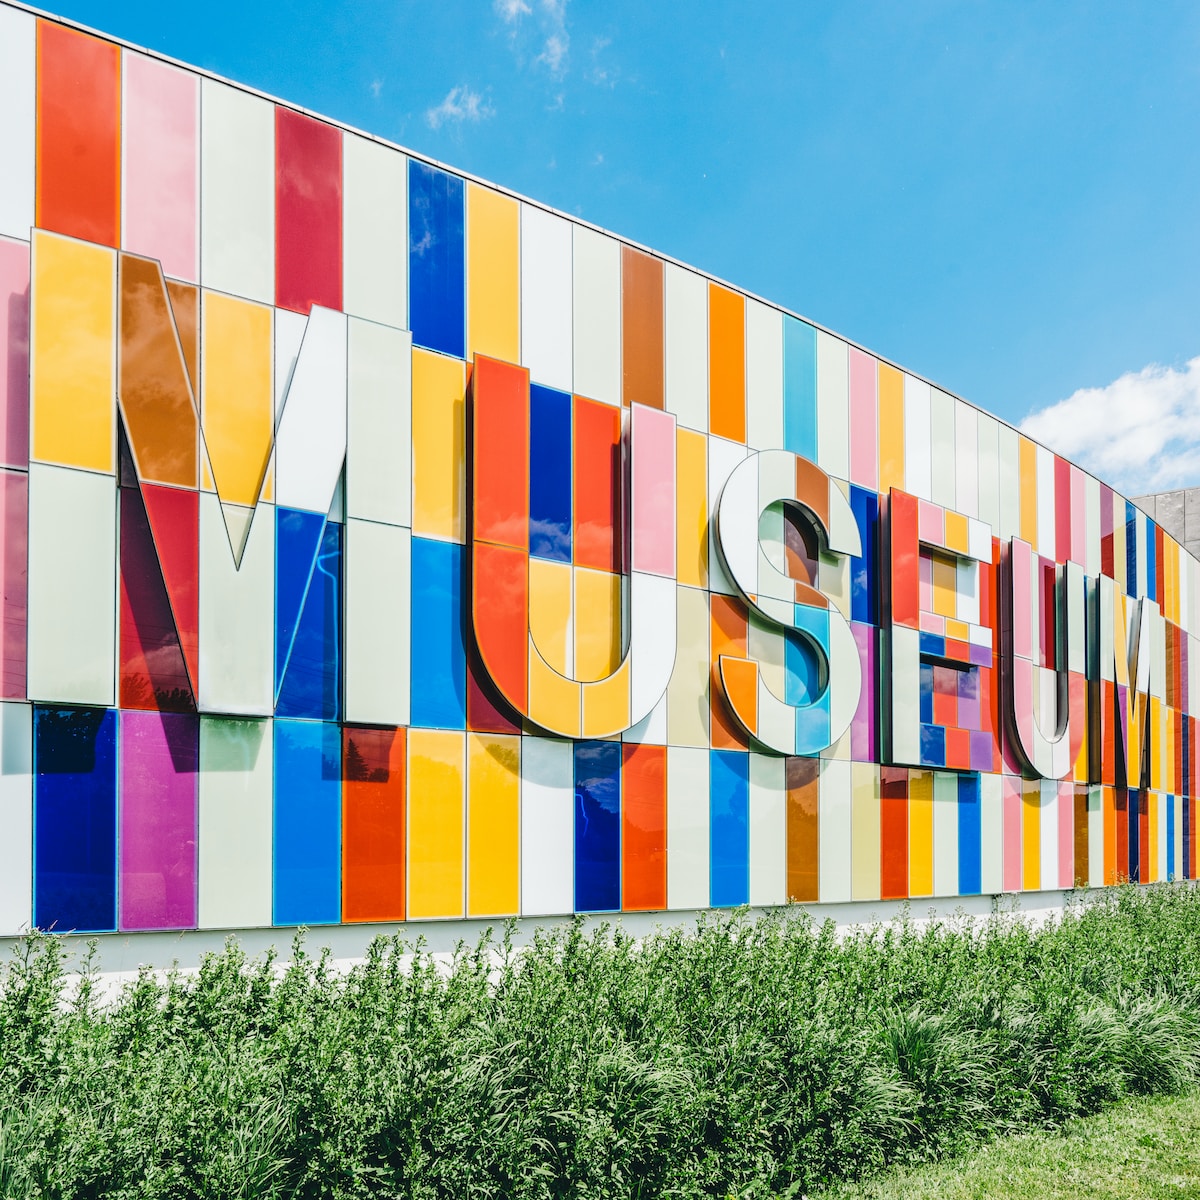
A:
x: 738, y: 1057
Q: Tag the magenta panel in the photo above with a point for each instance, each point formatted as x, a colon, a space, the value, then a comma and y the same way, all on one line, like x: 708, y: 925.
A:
x: 1012, y: 834
x: 157, y: 839
x: 653, y: 491
x: 864, y: 420
x: 162, y: 174
x: 14, y: 555
x: 14, y: 353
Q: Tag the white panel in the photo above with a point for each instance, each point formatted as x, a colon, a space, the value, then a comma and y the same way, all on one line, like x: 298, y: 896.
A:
x: 18, y: 58
x: 1049, y: 833
x: 653, y: 638
x: 1096, y: 837
x: 768, y: 830
x: 686, y: 349
x: 234, y: 836
x: 904, y: 666
x: 597, y: 316
x: 1045, y: 502
x: 764, y: 376
x: 237, y: 614
x: 378, y: 581
x: 546, y: 297
x: 723, y: 456
x: 687, y: 827
x: 16, y: 808
x: 379, y: 424
x: 72, y: 628
x: 289, y: 336
x: 833, y: 831
x: 989, y: 470
x: 547, y: 827
x: 945, y: 834
x: 918, y: 449
x: 651, y: 730
x: 966, y: 459
x: 1008, y: 442
x: 991, y: 834
x: 941, y: 427
x: 374, y: 231
x: 310, y: 445
x: 833, y: 406
x: 1177, y: 801
x: 237, y: 192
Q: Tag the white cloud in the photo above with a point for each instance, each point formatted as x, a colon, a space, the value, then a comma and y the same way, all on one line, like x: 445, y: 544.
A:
x: 1140, y: 433
x: 461, y: 104
x: 554, y: 53
x: 512, y: 10
x: 376, y: 87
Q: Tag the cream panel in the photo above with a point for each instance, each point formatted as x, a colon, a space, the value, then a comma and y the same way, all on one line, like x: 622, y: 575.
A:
x: 374, y: 231
x: 834, y: 823
x: 989, y: 470
x: 918, y: 452
x: 687, y: 693
x: 546, y: 300
x: 687, y: 827
x: 597, y: 315
x: 768, y: 830
x: 764, y: 377
x: 1045, y: 504
x: 685, y: 361
x: 547, y: 827
x: 966, y: 459
x: 1008, y: 442
x: 945, y: 834
x: 16, y: 808
x: 723, y: 456
x: 18, y: 59
x: 941, y: 427
x: 833, y: 405
x: 991, y: 834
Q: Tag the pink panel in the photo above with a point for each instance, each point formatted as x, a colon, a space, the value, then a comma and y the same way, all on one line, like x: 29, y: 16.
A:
x: 161, y: 123
x: 931, y: 523
x: 1021, y: 564
x: 1066, y: 834
x: 14, y: 552
x: 1012, y: 834
x: 1078, y: 517
x: 1106, y: 510
x: 864, y: 420
x: 14, y: 353
x: 157, y: 858
x: 653, y: 471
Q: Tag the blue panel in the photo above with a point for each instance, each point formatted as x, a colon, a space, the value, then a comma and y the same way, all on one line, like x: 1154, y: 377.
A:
x: 970, y: 833
x: 802, y: 666
x: 307, y: 887
x: 312, y: 682
x: 927, y: 693
x: 297, y: 544
x: 1130, y: 549
x: 1171, y: 837
x: 800, y: 388
x: 597, y: 826
x: 549, y: 474
x: 1132, y: 808
x: 75, y: 818
x: 932, y: 645
x: 439, y: 657
x: 864, y: 571
x: 436, y: 275
x: 1151, y: 559
x: 933, y: 745
x: 729, y: 828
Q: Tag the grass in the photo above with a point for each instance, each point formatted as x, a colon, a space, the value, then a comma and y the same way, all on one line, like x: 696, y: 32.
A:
x: 1146, y: 1148
x: 739, y: 1058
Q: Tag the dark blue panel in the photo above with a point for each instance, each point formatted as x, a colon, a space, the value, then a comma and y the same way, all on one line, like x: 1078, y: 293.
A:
x: 549, y: 474
x: 439, y: 657
x: 729, y: 828
x: 1171, y: 869
x: 297, y: 544
x: 307, y: 886
x: 597, y: 826
x: 1151, y: 559
x: 312, y: 682
x: 800, y: 388
x: 933, y: 745
x: 75, y: 818
x: 932, y: 644
x: 1130, y: 549
x: 864, y: 571
x: 970, y: 862
x: 927, y: 693
x: 1133, y: 808
x: 435, y: 259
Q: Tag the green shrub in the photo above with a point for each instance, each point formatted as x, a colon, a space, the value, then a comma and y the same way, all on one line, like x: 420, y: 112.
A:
x: 747, y: 1057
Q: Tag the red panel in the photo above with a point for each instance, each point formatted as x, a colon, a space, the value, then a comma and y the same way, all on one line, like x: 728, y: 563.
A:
x: 308, y: 212
x: 1121, y: 812
x: 893, y: 832
x: 597, y: 485
x: 728, y: 628
x: 502, y: 617
x: 945, y: 696
x: 958, y: 749
x: 174, y: 515
x: 644, y: 828
x: 905, y: 567
x: 1062, y: 509
x: 372, y: 824
x: 78, y: 135
x: 14, y: 530
x: 487, y: 711
x: 500, y: 429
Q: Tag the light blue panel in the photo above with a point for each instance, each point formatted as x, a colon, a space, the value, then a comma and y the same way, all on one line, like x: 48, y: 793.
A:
x: 439, y: 657
x: 729, y: 828
x: 800, y: 388
x: 307, y: 878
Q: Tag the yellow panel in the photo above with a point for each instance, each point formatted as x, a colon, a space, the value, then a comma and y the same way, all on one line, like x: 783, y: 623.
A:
x: 891, y: 428
x: 1028, y: 474
x: 73, y: 354
x: 438, y: 455
x: 493, y: 812
x: 1171, y: 577
x: 550, y: 613
x: 1031, y: 834
x: 864, y: 832
x: 1157, y: 737
x: 1119, y: 562
x: 493, y: 274
x: 688, y: 691
x: 606, y: 704
x: 956, y: 532
x: 920, y: 833
x: 691, y: 492
x: 435, y: 823
x: 945, y: 585
x: 238, y: 407
x: 959, y: 630
x: 597, y: 623
x: 554, y: 702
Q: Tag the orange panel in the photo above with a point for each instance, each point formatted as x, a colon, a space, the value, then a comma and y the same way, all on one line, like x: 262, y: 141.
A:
x: 726, y: 363
x: 501, y: 612
x: 644, y: 828
x: 78, y: 135
x: 500, y: 486
x: 739, y: 678
x: 641, y: 328
x: 185, y: 306
x: 597, y: 485
x: 372, y: 824
x: 803, y: 831
x: 727, y: 636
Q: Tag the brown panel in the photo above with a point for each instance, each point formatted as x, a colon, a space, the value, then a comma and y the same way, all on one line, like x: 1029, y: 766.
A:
x: 641, y: 328
x: 803, y: 787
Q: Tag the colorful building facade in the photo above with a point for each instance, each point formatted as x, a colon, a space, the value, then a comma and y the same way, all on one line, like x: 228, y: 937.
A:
x: 381, y: 546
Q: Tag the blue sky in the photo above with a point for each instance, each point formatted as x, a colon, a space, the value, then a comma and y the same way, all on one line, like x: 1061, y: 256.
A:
x: 1002, y: 197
